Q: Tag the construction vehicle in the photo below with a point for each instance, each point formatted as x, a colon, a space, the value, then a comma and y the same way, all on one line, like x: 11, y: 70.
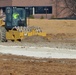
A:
x: 15, y: 26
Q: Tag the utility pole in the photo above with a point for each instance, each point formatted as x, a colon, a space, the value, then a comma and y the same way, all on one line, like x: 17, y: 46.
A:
x: 46, y: 9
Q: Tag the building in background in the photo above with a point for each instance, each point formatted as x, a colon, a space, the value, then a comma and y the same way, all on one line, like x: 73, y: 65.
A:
x: 38, y: 8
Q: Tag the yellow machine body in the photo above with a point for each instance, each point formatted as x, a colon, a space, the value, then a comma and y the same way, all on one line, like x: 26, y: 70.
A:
x: 2, y: 23
x: 17, y: 35
x: 14, y: 35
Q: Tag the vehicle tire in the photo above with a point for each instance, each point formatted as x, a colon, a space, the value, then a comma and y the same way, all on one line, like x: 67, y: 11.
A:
x: 2, y: 34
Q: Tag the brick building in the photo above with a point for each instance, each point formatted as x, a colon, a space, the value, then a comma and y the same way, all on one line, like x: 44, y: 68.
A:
x: 39, y: 8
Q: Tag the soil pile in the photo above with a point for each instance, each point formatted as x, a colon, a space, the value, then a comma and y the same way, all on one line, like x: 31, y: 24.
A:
x: 35, y: 39
x: 62, y: 37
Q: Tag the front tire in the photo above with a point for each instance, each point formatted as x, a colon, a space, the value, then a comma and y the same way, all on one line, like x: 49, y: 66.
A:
x: 2, y: 34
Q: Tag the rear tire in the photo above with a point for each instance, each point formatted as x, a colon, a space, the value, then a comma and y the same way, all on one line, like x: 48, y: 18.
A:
x: 2, y: 34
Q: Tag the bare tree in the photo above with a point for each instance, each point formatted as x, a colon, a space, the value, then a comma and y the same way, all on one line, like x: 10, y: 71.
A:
x: 65, y: 8
x: 71, y: 5
x: 59, y: 7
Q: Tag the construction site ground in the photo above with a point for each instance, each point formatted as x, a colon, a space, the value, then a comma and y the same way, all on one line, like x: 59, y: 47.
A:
x: 20, y: 65
x: 23, y: 65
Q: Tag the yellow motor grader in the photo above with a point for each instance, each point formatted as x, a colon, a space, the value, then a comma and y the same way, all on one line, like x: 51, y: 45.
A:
x: 15, y: 27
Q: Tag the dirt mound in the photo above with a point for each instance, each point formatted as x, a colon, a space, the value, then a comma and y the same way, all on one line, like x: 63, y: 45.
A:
x: 61, y: 37
x: 35, y: 39
x: 51, y: 37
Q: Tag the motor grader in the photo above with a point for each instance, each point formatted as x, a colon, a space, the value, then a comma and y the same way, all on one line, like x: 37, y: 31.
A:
x: 15, y: 27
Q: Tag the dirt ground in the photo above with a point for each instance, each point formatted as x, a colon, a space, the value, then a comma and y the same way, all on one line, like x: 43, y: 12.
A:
x: 20, y: 65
